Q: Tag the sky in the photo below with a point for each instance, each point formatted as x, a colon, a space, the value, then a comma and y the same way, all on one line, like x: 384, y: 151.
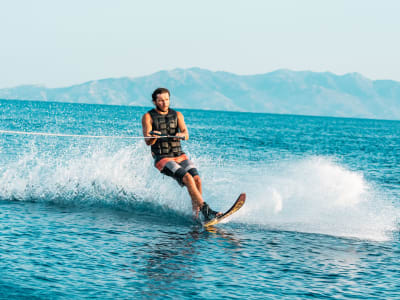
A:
x: 60, y: 43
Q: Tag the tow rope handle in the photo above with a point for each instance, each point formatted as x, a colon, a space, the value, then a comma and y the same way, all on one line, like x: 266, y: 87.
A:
x: 166, y: 136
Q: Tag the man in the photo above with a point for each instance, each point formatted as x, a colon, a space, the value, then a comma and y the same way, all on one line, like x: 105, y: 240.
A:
x: 168, y: 156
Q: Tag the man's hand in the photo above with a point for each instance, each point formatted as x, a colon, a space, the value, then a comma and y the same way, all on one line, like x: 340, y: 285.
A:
x: 181, y: 135
x: 155, y: 133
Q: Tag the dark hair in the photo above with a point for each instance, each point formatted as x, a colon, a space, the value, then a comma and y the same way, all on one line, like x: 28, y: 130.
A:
x: 159, y: 91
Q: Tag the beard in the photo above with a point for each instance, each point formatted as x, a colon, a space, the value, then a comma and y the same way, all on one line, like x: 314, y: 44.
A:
x: 160, y: 109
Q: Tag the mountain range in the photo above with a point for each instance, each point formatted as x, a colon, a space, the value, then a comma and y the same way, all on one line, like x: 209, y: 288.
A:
x: 281, y: 91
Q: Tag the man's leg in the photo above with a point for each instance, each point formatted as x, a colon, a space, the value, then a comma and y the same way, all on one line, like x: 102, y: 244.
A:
x: 195, y: 194
x: 189, y: 167
x: 197, y: 180
x: 197, y: 200
x: 190, y: 178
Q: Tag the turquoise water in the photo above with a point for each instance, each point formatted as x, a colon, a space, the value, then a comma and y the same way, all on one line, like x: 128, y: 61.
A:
x: 92, y: 218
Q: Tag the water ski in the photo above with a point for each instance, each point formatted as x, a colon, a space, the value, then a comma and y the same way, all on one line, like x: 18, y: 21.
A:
x: 235, y: 207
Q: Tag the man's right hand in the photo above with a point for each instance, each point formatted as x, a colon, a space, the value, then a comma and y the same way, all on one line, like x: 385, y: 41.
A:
x: 155, y: 133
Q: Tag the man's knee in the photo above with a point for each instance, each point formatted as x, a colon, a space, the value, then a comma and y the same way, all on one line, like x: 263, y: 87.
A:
x: 197, y: 179
x: 188, y: 179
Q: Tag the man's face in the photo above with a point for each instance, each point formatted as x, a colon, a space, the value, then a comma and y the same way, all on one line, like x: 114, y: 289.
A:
x: 162, y: 102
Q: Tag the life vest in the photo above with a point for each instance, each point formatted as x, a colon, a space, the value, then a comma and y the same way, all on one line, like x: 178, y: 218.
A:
x: 167, y: 125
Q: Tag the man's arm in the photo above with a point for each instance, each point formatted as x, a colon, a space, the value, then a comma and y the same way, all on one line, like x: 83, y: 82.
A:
x: 147, y: 127
x: 182, y: 126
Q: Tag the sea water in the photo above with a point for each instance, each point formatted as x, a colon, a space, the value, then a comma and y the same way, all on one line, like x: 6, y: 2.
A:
x: 84, y: 217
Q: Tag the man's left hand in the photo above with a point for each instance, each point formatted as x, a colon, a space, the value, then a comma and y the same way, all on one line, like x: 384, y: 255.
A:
x: 181, y: 135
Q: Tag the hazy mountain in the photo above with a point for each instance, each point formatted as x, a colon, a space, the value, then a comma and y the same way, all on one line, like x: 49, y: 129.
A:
x: 282, y: 91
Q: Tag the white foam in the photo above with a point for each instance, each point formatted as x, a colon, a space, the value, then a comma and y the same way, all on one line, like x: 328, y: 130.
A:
x: 99, y: 175
x: 316, y: 194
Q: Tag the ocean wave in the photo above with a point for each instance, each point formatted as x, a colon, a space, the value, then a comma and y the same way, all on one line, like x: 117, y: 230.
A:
x: 314, y: 194
x: 318, y: 195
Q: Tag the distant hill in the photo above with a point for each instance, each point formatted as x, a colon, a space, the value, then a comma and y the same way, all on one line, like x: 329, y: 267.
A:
x: 282, y: 91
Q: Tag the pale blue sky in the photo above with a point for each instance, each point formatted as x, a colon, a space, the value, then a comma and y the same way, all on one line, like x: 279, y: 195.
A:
x: 59, y: 43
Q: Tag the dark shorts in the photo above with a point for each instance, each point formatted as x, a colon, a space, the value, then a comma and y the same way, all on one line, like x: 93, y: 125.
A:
x: 179, y: 169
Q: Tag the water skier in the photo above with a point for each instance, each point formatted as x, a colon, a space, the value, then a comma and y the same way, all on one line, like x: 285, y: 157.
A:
x: 169, y: 158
